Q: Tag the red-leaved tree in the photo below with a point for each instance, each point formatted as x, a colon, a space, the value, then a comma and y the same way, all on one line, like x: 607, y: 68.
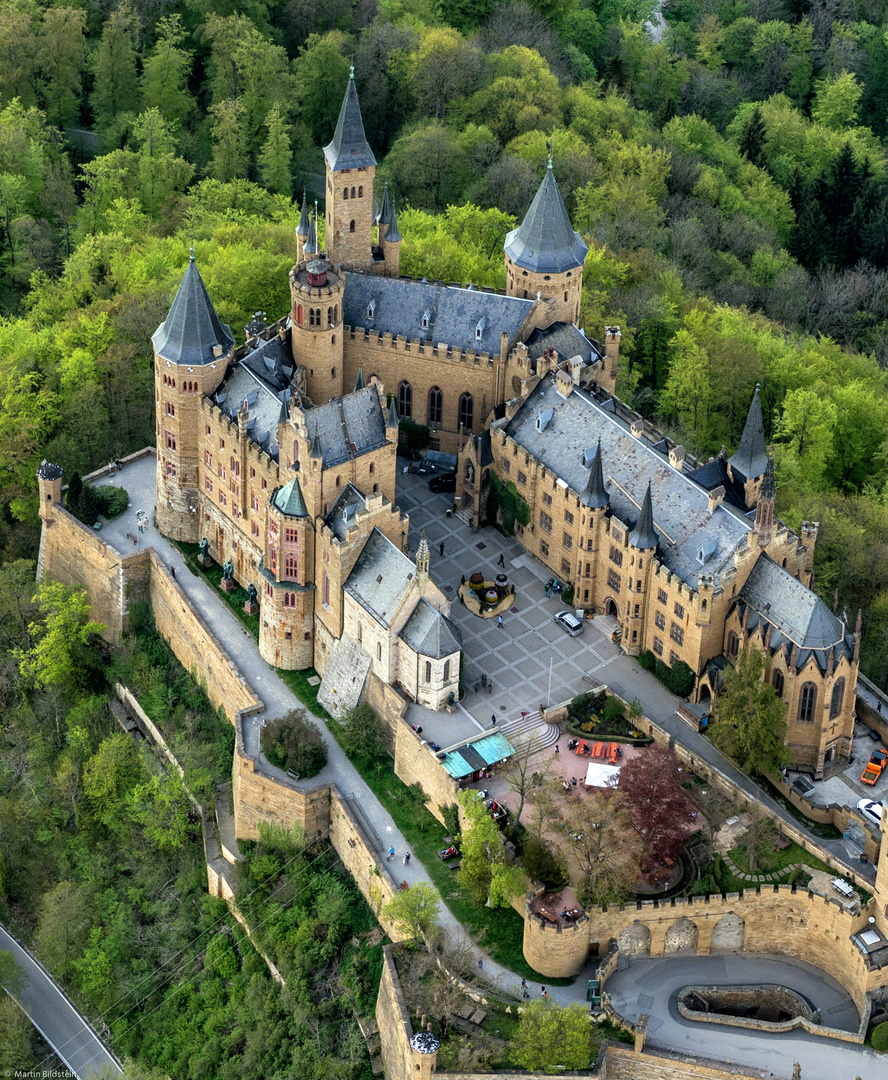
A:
x: 660, y: 809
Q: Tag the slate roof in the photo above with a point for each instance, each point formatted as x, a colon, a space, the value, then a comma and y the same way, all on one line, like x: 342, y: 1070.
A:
x: 192, y: 328
x: 644, y: 535
x: 289, y: 501
x: 348, y: 427
x: 349, y: 148
x: 681, y: 512
x: 545, y: 242
x: 566, y: 339
x: 47, y: 471
x: 262, y: 379
x: 715, y: 474
x: 430, y: 633
x: 381, y: 578
x: 342, y: 513
x: 790, y: 607
x: 393, y: 233
x: 751, y: 458
x: 454, y: 312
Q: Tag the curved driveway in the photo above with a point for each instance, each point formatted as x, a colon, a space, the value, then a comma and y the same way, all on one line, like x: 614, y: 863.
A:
x: 650, y: 986
x: 60, y: 1024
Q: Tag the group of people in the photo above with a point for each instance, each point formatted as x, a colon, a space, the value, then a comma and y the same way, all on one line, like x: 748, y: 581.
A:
x: 544, y: 993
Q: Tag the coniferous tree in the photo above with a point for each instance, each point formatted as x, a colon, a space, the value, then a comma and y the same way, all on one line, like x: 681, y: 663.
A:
x: 116, y: 88
x: 752, y: 139
x: 165, y: 73
x: 61, y: 57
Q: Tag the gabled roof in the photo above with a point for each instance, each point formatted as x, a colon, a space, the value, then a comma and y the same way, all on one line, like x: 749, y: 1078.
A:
x: 346, y: 427
x: 545, y: 242
x: 566, y: 339
x: 430, y: 633
x: 381, y: 578
x: 342, y: 513
x: 260, y: 380
x: 349, y: 148
x: 289, y: 501
x: 751, y: 458
x: 192, y: 329
x: 790, y: 607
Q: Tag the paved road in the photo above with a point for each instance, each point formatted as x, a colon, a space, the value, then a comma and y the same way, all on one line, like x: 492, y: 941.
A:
x: 650, y: 986
x: 58, y: 1021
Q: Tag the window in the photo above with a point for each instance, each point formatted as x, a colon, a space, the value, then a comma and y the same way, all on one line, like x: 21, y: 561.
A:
x: 446, y: 671
x: 360, y: 191
x: 568, y: 517
x: 613, y: 580
x: 436, y: 405
x: 428, y: 672
x: 353, y: 192
x: 673, y: 659
x: 522, y: 479
x: 378, y: 650
x: 314, y: 316
x: 565, y: 568
x: 290, y: 565
x: 170, y: 469
x: 466, y: 411
x: 221, y: 444
x: 223, y: 472
x: 679, y: 610
x: 616, y: 556
x: 777, y: 682
x: 506, y: 465
x: 273, y: 559
x: 567, y: 541
x: 661, y: 596
x: 547, y: 498
x: 351, y: 226
x: 405, y: 399
x: 208, y: 484
x: 660, y: 621
x: 254, y: 502
x: 291, y: 536
x: 264, y: 485
x: 733, y: 645
x: 658, y: 646
x: 325, y: 590
x: 254, y: 528
x: 345, y: 193
x: 252, y: 474
x: 637, y: 611
x: 170, y: 409
x: 677, y: 634
x: 838, y: 696
x: 223, y: 499
x: 208, y: 429
x: 289, y: 599
x: 588, y: 569
x: 208, y: 459
x: 544, y: 549
x: 545, y: 521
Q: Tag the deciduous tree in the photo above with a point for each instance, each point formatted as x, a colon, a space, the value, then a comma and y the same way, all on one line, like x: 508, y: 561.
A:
x: 659, y: 808
x: 60, y: 637
x: 61, y: 58
x: 750, y: 717
x: 551, y: 1038
x: 415, y: 911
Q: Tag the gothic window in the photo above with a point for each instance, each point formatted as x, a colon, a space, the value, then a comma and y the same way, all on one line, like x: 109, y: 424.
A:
x: 567, y: 541
x: 777, y: 682
x: 378, y: 650
x: 170, y: 441
x: 658, y: 646
x: 330, y: 315
x: 361, y: 191
x: 446, y: 671
x: 424, y: 322
x: 325, y: 590
x: 353, y: 192
x: 613, y: 581
x: 428, y: 672
x: 273, y: 559
x: 436, y: 405
x: 807, y: 702
x: 351, y: 226
x: 616, y: 556
x: 838, y: 696
x: 345, y: 193
x: 733, y: 644
x: 405, y: 399
x: 170, y: 409
x: 314, y: 316
x: 290, y: 566
x: 466, y: 411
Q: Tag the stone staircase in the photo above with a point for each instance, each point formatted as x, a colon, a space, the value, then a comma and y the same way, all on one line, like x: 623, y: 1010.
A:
x: 531, y: 727
x: 344, y: 677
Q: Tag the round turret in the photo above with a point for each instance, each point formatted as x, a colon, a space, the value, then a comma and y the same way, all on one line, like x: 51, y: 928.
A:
x: 317, y: 289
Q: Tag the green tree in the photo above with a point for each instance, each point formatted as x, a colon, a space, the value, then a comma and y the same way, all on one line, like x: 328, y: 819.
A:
x: 18, y: 51
x: 13, y: 978
x: 321, y: 73
x: 752, y: 138
x: 551, y: 1038
x: 15, y: 1038
x: 165, y: 73
x: 115, y: 85
x: 445, y: 66
x: 807, y: 423
x: 365, y: 733
x: 836, y: 101
x: 60, y: 637
x: 427, y: 167
x: 61, y: 58
x: 414, y: 911
x: 609, y: 852
x: 109, y: 776
x: 161, y: 807
x: 17, y: 607
x: 295, y: 743
x: 749, y: 717
x: 229, y: 159
x: 161, y: 172
x: 63, y: 922
x: 484, y: 871
x: 275, y: 156
x: 688, y: 392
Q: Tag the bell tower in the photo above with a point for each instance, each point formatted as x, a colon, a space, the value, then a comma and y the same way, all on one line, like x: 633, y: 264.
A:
x: 351, y: 170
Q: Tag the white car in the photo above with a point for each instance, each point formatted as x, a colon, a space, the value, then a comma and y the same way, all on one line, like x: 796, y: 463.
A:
x: 569, y: 622
x: 872, y: 811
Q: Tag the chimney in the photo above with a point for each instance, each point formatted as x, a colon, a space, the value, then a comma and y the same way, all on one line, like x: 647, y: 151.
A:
x: 676, y: 457
x: 716, y: 497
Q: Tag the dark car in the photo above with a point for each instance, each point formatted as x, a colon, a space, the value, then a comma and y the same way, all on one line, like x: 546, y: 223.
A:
x: 447, y: 482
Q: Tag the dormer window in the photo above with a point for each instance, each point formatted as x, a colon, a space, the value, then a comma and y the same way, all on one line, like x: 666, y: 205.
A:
x: 479, y: 330
x: 426, y: 318
x: 371, y: 309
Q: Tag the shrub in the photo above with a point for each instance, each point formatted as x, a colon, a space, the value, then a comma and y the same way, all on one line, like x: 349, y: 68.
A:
x: 112, y: 501
x: 364, y: 733
x: 647, y: 660
x: 567, y: 595
x: 545, y: 865
x: 416, y: 436
x: 451, y: 818
x: 679, y: 678
x: 612, y: 709
x: 294, y: 743
x: 880, y: 1037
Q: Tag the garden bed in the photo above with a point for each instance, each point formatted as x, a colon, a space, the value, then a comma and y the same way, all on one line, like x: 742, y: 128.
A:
x: 604, y: 716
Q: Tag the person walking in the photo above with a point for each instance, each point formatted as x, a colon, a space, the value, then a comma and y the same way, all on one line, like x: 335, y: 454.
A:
x: 481, y: 965
x: 557, y: 748
x: 441, y: 548
x: 546, y: 591
x: 493, y: 720
x: 524, y: 984
x: 543, y: 992
x: 391, y: 854
x: 406, y: 859
x: 173, y: 572
x: 499, y: 621
x: 501, y: 562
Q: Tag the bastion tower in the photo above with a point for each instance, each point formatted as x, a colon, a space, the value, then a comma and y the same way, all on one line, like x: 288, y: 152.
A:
x: 192, y: 350
x: 544, y: 255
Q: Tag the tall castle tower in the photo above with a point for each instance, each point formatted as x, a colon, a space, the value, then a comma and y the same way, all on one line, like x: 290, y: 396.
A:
x: 192, y: 349
x: 316, y: 290
x: 351, y: 169
x: 747, y: 467
x: 544, y: 255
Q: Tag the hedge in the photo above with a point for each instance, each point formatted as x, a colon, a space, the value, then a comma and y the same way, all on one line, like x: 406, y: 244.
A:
x: 679, y: 678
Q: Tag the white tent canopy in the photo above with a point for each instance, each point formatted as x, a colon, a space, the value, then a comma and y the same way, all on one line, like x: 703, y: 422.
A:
x: 598, y: 775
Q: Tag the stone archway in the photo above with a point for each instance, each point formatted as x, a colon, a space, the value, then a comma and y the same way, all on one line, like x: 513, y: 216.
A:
x: 705, y: 694
x: 635, y: 940
x: 681, y: 937
x: 727, y: 934
x: 610, y: 608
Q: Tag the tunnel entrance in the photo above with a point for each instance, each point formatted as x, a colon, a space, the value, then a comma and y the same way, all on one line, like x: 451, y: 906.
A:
x: 766, y: 1004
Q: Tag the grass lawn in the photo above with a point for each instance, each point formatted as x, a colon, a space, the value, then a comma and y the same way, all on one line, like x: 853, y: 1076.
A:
x: 234, y: 599
x: 775, y: 862
x: 307, y: 694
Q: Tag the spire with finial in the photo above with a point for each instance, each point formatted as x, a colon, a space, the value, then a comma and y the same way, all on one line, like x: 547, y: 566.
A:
x: 310, y: 247
x: 393, y: 236
x: 191, y: 257
x: 383, y: 216
x: 751, y: 458
x: 302, y: 227
x: 764, y: 507
x: 315, y: 450
x: 349, y: 148
x: 644, y: 534
x: 391, y: 420
x: 545, y: 241
x: 595, y: 494
x: 359, y: 381
x: 422, y: 564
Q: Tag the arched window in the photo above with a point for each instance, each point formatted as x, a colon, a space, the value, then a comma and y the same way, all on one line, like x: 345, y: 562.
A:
x: 372, y: 468
x: 436, y: 405
x: 807, y: 703
x: 351, y: 226
x: 330, y: 315
x: 353, y: 192
x: 466, y: 411
x: 777, y: 682
x: 314, y: 316
x: 290, y: 565
x: 446, y: 671
x: 345, y: 193
x: 838, y: 697
x: 360, y: 191
x: 733, y: 644
x: 405, y: 400
x: 378, y: 650
x: 360, y: 633
x: 428, y: 671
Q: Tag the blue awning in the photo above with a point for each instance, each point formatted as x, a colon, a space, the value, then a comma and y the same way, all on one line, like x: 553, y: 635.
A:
x: 475, y: 756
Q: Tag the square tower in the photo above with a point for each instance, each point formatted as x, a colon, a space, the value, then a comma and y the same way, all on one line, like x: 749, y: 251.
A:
x: 351, y: 170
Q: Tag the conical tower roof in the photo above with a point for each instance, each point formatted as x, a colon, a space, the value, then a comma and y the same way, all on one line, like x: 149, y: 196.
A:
x: 393, y: 236
x: 595, y: 495
x: 644, y: 535
x: 545, y: 242
x: 391, y: 419
x: 310, y: 247
x: 302, y: 227
x: 349, y: 148
x: 751, y: 458
x: 383, y: 215
x: 192, y: 329
x: 359, y: 381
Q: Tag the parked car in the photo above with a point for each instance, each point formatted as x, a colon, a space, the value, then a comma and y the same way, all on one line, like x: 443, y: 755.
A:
x: 569, y: 622
x: 447, y: 482
x: 872, y: 811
